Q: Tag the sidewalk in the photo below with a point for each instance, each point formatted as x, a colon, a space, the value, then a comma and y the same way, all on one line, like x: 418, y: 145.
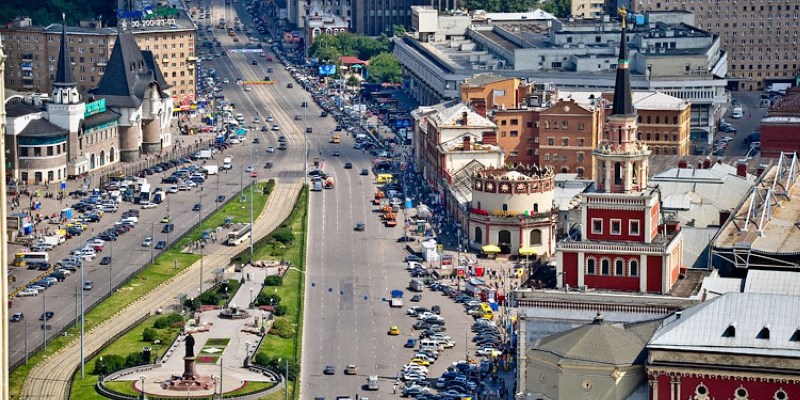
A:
x: 51, y: 377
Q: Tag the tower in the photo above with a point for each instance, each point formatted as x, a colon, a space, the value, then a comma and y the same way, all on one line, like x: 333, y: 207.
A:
x: 65, y: 108
x: 621, y: 162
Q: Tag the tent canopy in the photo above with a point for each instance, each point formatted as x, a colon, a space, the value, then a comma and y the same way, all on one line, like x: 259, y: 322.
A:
x: 527, y: 251
x: 490, y: 248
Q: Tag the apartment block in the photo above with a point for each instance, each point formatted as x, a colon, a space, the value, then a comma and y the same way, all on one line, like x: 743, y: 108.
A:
x: 567, y: 136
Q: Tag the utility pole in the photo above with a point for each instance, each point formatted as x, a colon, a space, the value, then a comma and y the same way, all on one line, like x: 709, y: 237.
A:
x: 26, y: 342
x: 44, y: 315
x: 252, y: 183
x: 152, y: 238
x: 202, y: 246
x: 305, y: 142
x: 83, y: 367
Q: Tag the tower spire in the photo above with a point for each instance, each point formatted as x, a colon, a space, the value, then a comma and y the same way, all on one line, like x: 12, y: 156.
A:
x: 623, y: 104
x: 64, y: 72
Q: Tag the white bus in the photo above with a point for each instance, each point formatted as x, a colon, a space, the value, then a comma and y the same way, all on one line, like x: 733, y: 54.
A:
x: 238, y: 236
x: 22, y: 258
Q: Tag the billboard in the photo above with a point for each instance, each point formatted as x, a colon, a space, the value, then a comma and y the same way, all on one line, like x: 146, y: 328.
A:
x: 327, y: 70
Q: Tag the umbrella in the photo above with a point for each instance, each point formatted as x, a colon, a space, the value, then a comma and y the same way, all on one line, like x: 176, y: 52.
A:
x: 490, y: 248
x: 527, y: 251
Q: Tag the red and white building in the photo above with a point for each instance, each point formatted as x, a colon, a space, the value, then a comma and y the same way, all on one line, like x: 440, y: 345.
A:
x: 320, y: 21
x: 621, y: 244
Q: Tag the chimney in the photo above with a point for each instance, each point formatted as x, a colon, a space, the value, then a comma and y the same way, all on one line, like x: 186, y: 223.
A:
x: 741, y: 168
x: 464, y: 118
x: 467, y: 144
x: 761, y: 168
x: 683, y: 164
x: 723, y: 216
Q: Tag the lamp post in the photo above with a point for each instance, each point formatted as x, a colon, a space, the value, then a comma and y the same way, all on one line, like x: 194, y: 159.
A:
x: 202, y: 246
x: 252, y: 183
x: 83, y: 366
x: 142, y: 379
x: 305, y: 142
x: 251, y: 297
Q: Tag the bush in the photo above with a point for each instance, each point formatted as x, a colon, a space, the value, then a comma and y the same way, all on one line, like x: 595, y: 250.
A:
x: 284, y: 235
x: 283, y: 328
x: 149, y: 335
x: 268, y: 299
x: 278, y: 365
x: 268, y: 187
x: 134, y: 359
x: 111, y: 363
x: 273, y: 280
x: 209, y: 298
x: 280, y: 310
x: 168, y: 320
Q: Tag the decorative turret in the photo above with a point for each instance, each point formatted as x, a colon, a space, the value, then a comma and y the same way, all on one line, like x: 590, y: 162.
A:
x: 621, y: 162
x: 65, y: 90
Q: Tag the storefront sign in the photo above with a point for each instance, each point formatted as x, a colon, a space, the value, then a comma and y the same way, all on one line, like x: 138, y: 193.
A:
x: 95, y: 107
x: 150, y: 23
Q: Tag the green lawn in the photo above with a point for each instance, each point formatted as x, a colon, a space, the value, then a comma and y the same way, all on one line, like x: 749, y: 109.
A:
x: 126, y: 387
x: 163, y: 268
x: 291, y: 292
x: 83, y: 389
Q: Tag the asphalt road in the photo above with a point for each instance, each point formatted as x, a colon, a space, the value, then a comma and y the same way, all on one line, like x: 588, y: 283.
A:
x: 128, y: 254
x: 746, y: 125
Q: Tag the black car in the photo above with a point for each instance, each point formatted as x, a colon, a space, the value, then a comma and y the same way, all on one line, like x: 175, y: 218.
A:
x: 304, y: 104
x: 168, y: 228
x: 359, y: 227
x: 289, y: 85
x: 197, y: 207
x: 323, y: 114
x: 348, y: 165
x: 220, y: 198
x: 17, y: 317
x: 364, y: 171
x: 406, y: 239
x: 329, y: 370
x: 161, y: 244
x: 414, y: 258
x: 416, y: 298
x: 254, y: 62
x: 436, y: 309
x: 106, y: 260
x: 46, y: 316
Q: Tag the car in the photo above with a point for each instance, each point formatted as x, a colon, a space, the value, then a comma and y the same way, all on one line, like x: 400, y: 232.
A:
x: 270, y: 119
x: 309, y: 130
x: 276, y: 127
x: 394, y: 330
x: 265, y: 128
x: 166, y: 219
x: 298, y: 117
x: 359, y: 227
x: 364, y: 171
x: 416, y: 298
x: 46, y: 316
x: 106, y: 260
x: 350, y: 369
x: 348, y: 165
x: 289, y: 85
x: 88, y: 285
x: 256, y: 120
x: 225, y: 80
x: 248, y: 88
x: 271, y: 149
x: 436, y: 310
x: 147, y: 242
x: 329, y: 370
x: 28, y: 292
x: 173, y: 189
x: 419, y: 361
x: 268, y: 165
x: 250, y: 168
x: 267, y: 78
x: 254, y: 62
x: 413, y: 258
x: 161, y: 244
x: 410, y: 343
x: 147, y: 206
x: 197, y: 207
x: 17, y: 317
x: 337, y: 153
x: 304, y: 104
x: 256, y: 140
x: 487, y: 351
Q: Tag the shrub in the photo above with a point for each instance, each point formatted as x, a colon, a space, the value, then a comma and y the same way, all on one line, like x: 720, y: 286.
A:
x: 278, y: 365
x: 280, y: 310
x: 273, y: 280
x: 284, y: 235
x: 149, y: 335
x: 209, y: 298
x: 283, y: 328
x: 168, y: 320
x: 268, y: 187
x: 272, y: 299
x: 134, y: 359
x: 111, y: 363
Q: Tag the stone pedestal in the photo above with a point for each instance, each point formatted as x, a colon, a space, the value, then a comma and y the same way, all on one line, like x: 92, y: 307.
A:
x: 189, y: 371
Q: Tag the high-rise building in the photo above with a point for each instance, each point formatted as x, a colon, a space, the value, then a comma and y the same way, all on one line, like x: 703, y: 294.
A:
x: 621, y: 243
x: 373, y: 17
x: 760, y: 38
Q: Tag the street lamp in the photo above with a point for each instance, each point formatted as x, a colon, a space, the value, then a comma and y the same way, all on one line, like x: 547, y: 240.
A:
x: 251, y: 298
x: 142, y: 378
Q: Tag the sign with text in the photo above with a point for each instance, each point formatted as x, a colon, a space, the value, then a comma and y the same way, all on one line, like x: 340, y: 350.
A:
x: 95, y: 107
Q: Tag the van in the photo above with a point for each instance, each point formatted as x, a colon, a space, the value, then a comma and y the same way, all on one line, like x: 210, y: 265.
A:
x: 432, y: 345
x: 738, y: 112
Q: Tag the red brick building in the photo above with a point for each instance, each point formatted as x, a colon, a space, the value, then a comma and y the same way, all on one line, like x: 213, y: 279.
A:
x: 621, y: 245
x: 780, y: 131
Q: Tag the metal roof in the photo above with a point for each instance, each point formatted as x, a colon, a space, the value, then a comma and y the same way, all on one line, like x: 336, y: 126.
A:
x: 776, y: 282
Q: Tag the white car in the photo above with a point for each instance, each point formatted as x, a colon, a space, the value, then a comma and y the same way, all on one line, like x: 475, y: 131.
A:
x: 107, y: 208
x: 425, y: 315
x: 95, y: 242
x: 487, y: 351
x: 173, y: 189
x: 225, y: 80
x: 249, y: 169
x: 248, y: 88
x: 270, y: 149
x: 415, y: 367
x: 28, y: 293
x: 148, y: 241
x: 276, y: 127
x: 270, y: 119
x: 149, y: 205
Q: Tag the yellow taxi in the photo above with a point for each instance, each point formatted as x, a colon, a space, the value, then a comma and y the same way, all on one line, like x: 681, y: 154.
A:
x: 418, y: 361
x: 394, y: 330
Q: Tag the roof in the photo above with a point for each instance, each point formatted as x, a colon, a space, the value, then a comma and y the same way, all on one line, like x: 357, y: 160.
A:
x: 513, y: 16
x: 101, y: 118
x: 350, y: 60
x: 702, y: 327
x: 452, y: 117
x: 42, y: 128
x: 128, y: 74
x: 623, y: 103
x: 20, y: 109
x: 481, y: 80
x: 64, y: 66
x: 598, y: 344
x: 658, y: 101
x: 772, y: 282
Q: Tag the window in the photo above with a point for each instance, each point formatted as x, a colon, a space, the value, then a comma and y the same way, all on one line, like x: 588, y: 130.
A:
x: 514, y: 122
x: 536, y: 237
x: 730, y: 331
x: 49, y: 150
x: 550, y: 141
x: 764, y: 333
x: 505, y: 207
x: 597, y: 226
x: 514, y: 133
x: 605, y: 267
x: 619, y: 267
x: 590, y: 266
x: 633, y: 227
x: 634, y: 268
x: 616, y: 227
x: 565, y: 142
x: 23, y: 152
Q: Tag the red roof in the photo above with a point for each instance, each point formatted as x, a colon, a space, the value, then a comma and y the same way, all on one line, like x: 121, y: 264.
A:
x: 349, y: 60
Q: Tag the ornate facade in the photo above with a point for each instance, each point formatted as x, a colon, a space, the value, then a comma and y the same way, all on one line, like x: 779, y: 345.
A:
x: 513, y: 208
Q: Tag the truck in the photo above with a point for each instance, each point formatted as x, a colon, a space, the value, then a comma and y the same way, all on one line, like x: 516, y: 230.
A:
x: 416, y: 285
x: 204, y: 154
x: 372, y: 382
x: 397, y: 299
x: 144, y: 194
x: 211, y: 169
x: 53, y: 240
x: 779, y: 88
x: 316, y: 184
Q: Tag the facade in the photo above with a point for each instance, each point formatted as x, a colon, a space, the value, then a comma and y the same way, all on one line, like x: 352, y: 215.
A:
x: 513, y: 209
x: 780, y: 131
x: 33, y: 52
x: 586, y: 8
x: 601, y: 360
x: 621, y: 243
x: 5, y: 366
x: 373, y: 17
x: 568, y: 133
x: 737, y: 346
x: 668, y: 56
x: 320, y: 22
x: 760, y: 39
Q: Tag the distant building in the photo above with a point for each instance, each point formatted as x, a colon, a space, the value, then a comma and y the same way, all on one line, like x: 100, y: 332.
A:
x: 568, y: 133
x: 780, y: 131
x: 587, y: 8
x: 736, y: 346
x: 621, y: 242
x: 513, y: 208
x: 320, y: 22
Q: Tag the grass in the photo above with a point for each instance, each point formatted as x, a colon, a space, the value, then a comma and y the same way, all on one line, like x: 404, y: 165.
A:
x: 130, y: 342
x: 167, y: 265
x: 217, y: 342
x: 292, y: 290
x: 126, y: 387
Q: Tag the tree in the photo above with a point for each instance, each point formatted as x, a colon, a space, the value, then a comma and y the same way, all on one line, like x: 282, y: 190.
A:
x: 499, y: 5
x: 559, y: 8
x: 384, y: 68
x: 353, y: 82
x: 399, y: 30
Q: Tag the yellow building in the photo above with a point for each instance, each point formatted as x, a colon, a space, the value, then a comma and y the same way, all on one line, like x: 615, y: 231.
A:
x: 586, y: 8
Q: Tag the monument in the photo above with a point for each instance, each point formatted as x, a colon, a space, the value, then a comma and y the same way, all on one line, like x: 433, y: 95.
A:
x: 190, y: 380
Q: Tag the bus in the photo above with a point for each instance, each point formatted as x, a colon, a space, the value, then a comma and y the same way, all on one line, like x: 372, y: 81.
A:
x: 238, y: 236
x: 487, y: 311
x: 22, y: 258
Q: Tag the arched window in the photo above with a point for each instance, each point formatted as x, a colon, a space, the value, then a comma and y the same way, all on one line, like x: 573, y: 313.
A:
x: 590, y: 266
x: 605, y: 267
x: 111, y: 155
x: 536, y: 237
x: 478, y: 235
x: 619, y: 267
x: 580, y: 172
x: 102, y: 157
x: 535, y: 208
x: 617, y: 173
x: 564, y: 170
x: 633, y: 268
